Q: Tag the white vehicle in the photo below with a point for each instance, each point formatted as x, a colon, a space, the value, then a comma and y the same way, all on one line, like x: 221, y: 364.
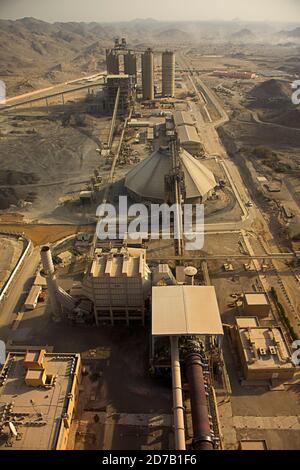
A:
x: 249, y: 204
x: 33, y: 297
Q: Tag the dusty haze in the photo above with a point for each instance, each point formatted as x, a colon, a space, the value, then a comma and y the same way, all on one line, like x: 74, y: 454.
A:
x: 166, y: 10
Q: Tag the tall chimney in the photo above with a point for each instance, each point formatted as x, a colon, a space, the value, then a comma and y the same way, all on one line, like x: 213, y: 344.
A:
x: 49, y: 273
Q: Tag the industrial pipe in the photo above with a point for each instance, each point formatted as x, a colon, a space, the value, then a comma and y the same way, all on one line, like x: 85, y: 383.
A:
x: 179, y: 429
x: 202, y: 439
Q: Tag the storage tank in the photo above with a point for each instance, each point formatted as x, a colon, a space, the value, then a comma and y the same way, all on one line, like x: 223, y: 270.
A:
x: 168, y: 74
x: 148, y: 75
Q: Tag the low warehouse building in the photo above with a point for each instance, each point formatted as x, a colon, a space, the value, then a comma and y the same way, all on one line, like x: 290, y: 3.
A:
x: 38, y: 395
x: 256, y: 304
x: 189, y: 139
x: 263, y: 351
x: 183, y: 118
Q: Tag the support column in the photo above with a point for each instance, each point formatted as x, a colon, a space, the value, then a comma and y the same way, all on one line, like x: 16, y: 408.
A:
x: 179, y: 429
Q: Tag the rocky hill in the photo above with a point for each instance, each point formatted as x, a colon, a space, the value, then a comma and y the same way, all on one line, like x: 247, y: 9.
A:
x: 243, y: 35
x: 34, y: 52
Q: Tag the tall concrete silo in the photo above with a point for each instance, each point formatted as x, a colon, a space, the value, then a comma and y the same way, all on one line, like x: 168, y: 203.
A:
x: 148, y: 74
x: 168, y: 73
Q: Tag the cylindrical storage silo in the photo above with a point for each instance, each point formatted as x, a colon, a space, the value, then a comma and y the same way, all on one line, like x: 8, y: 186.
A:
x: 148, y: 75
x: 168, y: 74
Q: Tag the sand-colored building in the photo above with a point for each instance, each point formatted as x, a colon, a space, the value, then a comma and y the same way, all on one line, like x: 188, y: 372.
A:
x: 189, y: 139
x: 183, y: 118
x: 38, y: 395
x: 256, y: 304
x: 263, y: 351
x: 118, y: 283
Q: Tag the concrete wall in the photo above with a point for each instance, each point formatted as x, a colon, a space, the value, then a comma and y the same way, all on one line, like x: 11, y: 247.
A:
x: 65, y: 425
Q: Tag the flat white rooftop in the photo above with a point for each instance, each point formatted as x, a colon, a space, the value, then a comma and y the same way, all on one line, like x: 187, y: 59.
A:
x: 185, y: 310
x: 256, y: 299
x: 36, y: 411
x: 263, y: 347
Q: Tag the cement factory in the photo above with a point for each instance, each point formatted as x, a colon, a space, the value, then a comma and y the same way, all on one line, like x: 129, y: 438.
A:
x: 118, y: 283
x: 160, y: 148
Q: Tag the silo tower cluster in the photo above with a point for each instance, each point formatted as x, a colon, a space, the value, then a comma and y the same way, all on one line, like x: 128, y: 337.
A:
x: 168, y: 74
x: 114, y: 59
x: 121, y: 60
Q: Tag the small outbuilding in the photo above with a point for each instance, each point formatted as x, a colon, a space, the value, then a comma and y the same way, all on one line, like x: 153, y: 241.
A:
x: 256, y: 304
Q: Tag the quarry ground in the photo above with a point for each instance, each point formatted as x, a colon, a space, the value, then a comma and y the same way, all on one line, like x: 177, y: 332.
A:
x: 10, y: 252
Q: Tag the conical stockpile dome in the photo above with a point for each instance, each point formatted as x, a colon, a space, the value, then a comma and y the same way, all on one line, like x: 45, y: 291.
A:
x: 147, y: 180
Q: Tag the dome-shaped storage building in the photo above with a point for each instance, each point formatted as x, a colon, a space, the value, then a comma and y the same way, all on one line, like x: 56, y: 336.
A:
x: 147, y: 180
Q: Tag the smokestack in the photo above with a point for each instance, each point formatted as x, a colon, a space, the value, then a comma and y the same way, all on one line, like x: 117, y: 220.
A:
x: 49, y: 273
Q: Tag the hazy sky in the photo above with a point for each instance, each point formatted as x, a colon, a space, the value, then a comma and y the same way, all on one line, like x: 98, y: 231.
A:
x: 119, y: 10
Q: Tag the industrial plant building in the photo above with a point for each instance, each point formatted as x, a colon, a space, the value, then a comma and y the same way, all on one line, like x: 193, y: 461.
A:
x: 263, y: 351
x: 118, y: 283
x: 112, y: 62
x: 125, y: 84
x: 123, y: 60
x: 188, y: 312
x: 38, y: 395
x: 256, y: 304
x: 185, y: 310
x: 234, y: 74
x: 130, y: 64
x: 147, y: 180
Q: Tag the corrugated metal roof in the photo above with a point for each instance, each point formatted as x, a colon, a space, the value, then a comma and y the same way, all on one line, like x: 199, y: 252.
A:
x: 188, y: 134
x: 147, y: 179
x: 130, y: 263
x: 182, y: 118
x: 185, y: 310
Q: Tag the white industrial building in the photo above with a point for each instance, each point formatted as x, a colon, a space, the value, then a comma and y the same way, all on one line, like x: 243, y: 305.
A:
x: 263, y: 351
x: 118, y: 283
x: 147, y: 180
x: 185, y: 310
